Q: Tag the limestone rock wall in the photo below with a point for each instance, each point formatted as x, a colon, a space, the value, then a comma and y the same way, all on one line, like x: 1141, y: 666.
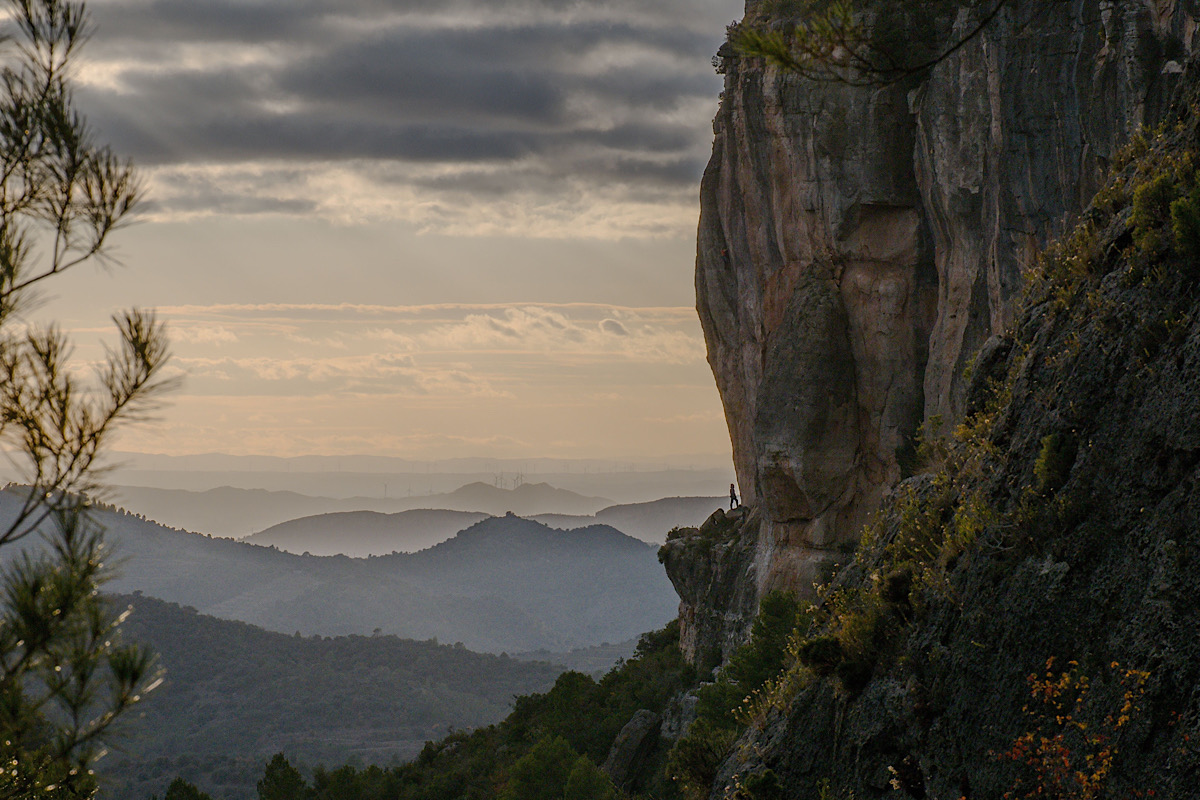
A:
x: 858, y: 244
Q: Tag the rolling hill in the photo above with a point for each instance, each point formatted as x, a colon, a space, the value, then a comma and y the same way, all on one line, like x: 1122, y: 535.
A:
x: 365, y: 533
x: 235, y: 694
x: 649, y: 522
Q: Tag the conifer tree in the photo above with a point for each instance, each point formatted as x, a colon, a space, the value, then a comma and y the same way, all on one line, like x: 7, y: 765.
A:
x: 281, y: 781
x: 65, y: 677
x: 862, y: 42
x: 182, y: 790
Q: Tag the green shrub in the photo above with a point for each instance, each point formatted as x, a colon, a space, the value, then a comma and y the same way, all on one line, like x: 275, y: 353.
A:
x: 588, y: 782
x: 1054, y: 461
x: 183, y: 790
x: 722, y: 708
x: 897, y: 586
x: 762, y: 786
x: 695, y: 758
x: 1166, y: 211
x: 542, y: 773
x: 281, y: 781
x: 864, y: 635
x: 764, y: 656
x: 1151, y: 209
x: 822, y: 655
x: 1185, y: 224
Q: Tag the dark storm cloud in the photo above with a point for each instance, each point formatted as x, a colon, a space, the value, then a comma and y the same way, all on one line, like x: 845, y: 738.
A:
x: 230, y: 138
x: 164, y: 21
x: 431, y: 75
x: 148, y: 21
x: 649, y: 177
x: 226, y: 203
x: 565, y: 88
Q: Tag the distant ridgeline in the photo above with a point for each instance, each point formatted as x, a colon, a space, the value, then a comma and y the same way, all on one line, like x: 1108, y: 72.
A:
x: 363, y: 533
x: 362, y: 526
x: 234, y: 512
x: 504, y: 584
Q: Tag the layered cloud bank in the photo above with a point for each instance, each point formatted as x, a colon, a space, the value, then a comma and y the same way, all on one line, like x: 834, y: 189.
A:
x: 543, y: 118
x: 567, y: 380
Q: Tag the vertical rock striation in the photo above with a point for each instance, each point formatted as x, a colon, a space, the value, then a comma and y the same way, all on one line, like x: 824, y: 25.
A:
x: 857, y: 245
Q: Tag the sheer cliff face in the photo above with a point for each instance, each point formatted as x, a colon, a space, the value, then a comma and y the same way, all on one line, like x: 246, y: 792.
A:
x: 858, y: 244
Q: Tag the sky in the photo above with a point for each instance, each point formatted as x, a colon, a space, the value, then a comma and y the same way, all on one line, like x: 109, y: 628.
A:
x: 417, y: 228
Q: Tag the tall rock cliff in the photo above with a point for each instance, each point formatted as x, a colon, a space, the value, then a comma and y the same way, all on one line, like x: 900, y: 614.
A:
x: 993, y: 243
x: 858, y: 244
x: 1023, y: 618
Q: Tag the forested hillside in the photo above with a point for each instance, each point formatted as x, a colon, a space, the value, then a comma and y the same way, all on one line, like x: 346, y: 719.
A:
x: 233, y: 695
x: 552, y: 745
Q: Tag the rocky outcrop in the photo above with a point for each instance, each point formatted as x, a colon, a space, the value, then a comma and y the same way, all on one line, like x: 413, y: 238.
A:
x: 712, y: 569
x: 631, y: 747
x: 858, y: 244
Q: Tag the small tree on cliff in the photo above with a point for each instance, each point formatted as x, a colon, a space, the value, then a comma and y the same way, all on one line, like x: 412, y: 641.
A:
x: 865, y: 43
x: 65, y: 678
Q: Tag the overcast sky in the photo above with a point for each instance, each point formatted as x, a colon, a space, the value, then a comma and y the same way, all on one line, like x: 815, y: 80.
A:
x: 423, y: 228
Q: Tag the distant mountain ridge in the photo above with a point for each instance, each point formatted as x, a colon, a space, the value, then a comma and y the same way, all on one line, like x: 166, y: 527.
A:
x: 231, y: 512
x: 523, y: 500
x: 504, y: 584
x: 650, y: 522
x: 362, y: 533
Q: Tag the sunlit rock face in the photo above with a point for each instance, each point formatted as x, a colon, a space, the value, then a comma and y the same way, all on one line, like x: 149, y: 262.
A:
x: 857, y: 244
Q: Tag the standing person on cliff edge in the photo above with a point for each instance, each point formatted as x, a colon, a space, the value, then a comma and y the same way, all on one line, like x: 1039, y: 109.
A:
x: 733, y: 499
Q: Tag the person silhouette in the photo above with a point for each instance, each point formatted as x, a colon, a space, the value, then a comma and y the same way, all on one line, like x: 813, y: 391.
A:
x: 733, y: 500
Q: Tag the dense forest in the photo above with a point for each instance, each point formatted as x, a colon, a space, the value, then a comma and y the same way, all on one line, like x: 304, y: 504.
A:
x: 577, y: 740
x: 234, y: 694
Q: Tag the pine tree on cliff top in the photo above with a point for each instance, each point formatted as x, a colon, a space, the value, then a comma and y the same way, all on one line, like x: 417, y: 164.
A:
x: 864, y: 43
